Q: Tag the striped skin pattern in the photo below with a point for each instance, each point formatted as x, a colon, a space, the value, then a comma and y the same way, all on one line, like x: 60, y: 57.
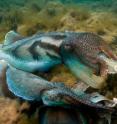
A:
x: 34, y: 53
x: 43, y: 51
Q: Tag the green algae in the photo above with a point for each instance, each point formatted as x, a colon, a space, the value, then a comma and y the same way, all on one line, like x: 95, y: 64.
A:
x: 32, y: 16
x: 28, y: 17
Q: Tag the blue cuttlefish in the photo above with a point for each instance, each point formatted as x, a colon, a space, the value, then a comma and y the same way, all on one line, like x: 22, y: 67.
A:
x: 86, y: 54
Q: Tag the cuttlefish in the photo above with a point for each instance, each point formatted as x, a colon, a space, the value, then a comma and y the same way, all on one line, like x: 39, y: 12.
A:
x: 86, y: 55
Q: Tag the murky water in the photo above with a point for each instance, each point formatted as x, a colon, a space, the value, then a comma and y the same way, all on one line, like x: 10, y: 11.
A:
x: 28, y: 17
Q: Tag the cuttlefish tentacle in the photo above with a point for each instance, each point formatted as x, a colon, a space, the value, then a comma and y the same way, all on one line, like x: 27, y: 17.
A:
x: 106, y: 54
x: 32, y: 87
x: 42, y: 52
x: 89, y: 57
x: 82, y: 71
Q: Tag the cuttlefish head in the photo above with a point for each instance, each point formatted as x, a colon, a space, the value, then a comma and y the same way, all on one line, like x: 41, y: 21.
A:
x: 88, y: 58
x: 92, y: 51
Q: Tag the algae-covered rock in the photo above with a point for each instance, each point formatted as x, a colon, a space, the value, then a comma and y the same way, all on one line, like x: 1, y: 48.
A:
x: 62, y: 74
x: 28, y: 17
x: 103, y: 24
x: 11, y: 112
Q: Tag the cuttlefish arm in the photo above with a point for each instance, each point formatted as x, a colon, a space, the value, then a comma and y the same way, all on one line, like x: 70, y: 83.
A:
x: 86, y: 74
x: 110, y: 63
x: 107, y: 59
x: 89, y: 58
x: 34, y: 88
x: 82, y: 71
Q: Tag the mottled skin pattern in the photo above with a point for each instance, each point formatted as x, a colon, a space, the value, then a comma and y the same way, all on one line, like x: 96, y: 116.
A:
x: 88, y: 47
x: 78, y: 51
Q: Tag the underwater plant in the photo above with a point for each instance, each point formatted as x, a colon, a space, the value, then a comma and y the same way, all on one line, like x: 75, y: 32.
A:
x: 61, y: 48
x: 12, y: 19
x: 29, y: 17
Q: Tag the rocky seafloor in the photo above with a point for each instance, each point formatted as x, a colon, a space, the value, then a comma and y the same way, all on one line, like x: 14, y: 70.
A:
x: 28, y: 17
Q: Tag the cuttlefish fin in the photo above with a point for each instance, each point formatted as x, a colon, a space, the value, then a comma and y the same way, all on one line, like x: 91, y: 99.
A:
x: 27, y: 85
x: 11, y: 37
x: 23, y: 84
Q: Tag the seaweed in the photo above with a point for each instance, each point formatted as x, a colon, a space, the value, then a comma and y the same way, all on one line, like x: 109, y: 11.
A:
x: 28, y: 17
x: 11, y: 19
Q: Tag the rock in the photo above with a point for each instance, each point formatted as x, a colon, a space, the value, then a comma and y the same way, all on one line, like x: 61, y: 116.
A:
x: 14, y: 112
